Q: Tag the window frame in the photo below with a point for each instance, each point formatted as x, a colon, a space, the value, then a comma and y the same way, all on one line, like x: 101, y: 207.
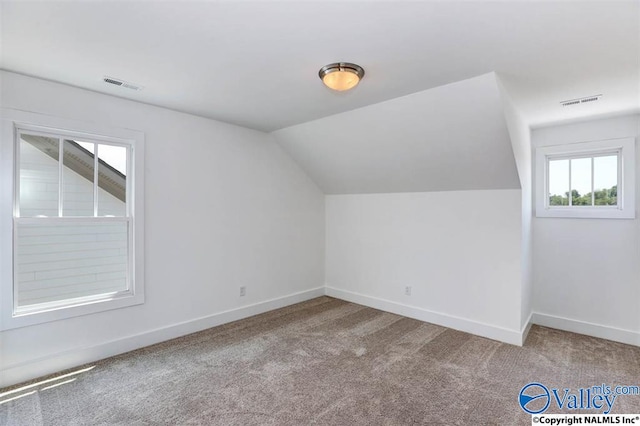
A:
x: 14, y: 123
x: 624, y: 148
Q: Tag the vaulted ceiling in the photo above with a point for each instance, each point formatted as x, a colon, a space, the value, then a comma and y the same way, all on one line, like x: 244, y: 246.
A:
x: 453, y: 137
x: 428, y: 115
x: 255, y: 63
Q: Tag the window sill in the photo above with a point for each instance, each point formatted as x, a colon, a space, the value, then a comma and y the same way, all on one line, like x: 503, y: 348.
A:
x: 587, y: 213
x: 33, y: 317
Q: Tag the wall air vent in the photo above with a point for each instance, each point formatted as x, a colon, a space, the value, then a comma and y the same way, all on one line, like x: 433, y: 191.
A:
x: 121, y: 83
x: 579, y: 101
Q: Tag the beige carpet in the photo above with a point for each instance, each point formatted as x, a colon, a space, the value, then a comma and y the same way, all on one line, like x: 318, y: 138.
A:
x: 326, y: 362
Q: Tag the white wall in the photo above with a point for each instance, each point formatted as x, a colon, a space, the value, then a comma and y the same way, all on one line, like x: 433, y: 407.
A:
x: 448, y: 138
x: 587, y: 271
x: 520, y: 136
x: 460, y: 251
x: 465, y: 136
x: 225, y: 207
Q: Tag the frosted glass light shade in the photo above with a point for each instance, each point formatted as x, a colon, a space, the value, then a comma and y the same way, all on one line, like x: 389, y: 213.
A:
x: 341, y: 76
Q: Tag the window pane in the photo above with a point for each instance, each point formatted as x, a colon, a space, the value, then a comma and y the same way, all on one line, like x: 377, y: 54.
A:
x: 581, y: 182
x: 605, y: 180
x: 77, y: 178
x: 39, y: 175
x: 112, y: 180
x: 558, y: 182
x: 57, y: 262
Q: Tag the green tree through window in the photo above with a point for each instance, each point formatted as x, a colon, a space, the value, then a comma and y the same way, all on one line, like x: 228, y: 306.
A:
x: 601, y: 197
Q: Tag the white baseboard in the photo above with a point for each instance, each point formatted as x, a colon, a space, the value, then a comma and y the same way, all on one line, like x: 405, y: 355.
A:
x: 590, y: 329
x: 23, y: 371
x: 513, y: 337
x: 31, y: 369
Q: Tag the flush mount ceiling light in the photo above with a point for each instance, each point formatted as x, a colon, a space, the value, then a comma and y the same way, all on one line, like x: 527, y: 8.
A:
x: 341, y: 76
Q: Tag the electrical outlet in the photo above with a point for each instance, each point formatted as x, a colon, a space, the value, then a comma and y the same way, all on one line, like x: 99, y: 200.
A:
x: 407, y: 290
x: 243, y: 291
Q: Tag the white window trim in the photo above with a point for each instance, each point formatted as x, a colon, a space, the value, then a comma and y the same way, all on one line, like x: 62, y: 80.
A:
x: 10, y: 121
x: 626, y: 208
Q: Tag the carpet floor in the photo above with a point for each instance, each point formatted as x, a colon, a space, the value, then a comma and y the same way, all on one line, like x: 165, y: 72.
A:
x: 326, y: 362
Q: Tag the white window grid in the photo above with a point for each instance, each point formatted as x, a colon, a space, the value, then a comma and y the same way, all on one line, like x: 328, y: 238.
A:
x: 592, y: 156
x: 128, y: 218
x: 624, y: 148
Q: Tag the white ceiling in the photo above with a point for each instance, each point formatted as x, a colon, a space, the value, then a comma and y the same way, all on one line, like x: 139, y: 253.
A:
x: 256, y: 63
x: 452, y: 137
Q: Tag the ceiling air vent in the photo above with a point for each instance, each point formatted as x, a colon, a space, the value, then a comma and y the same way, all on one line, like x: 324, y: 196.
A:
x: 121, y: 83
x: 579, y: 101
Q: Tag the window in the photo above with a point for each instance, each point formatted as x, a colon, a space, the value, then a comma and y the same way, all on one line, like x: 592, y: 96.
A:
x: 76, y: 226
x: 588, y: 180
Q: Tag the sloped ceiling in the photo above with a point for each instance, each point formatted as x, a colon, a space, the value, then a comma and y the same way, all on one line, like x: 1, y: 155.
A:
x: 452, y: 137
x: 420, y: 121
x: 255, y: 63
